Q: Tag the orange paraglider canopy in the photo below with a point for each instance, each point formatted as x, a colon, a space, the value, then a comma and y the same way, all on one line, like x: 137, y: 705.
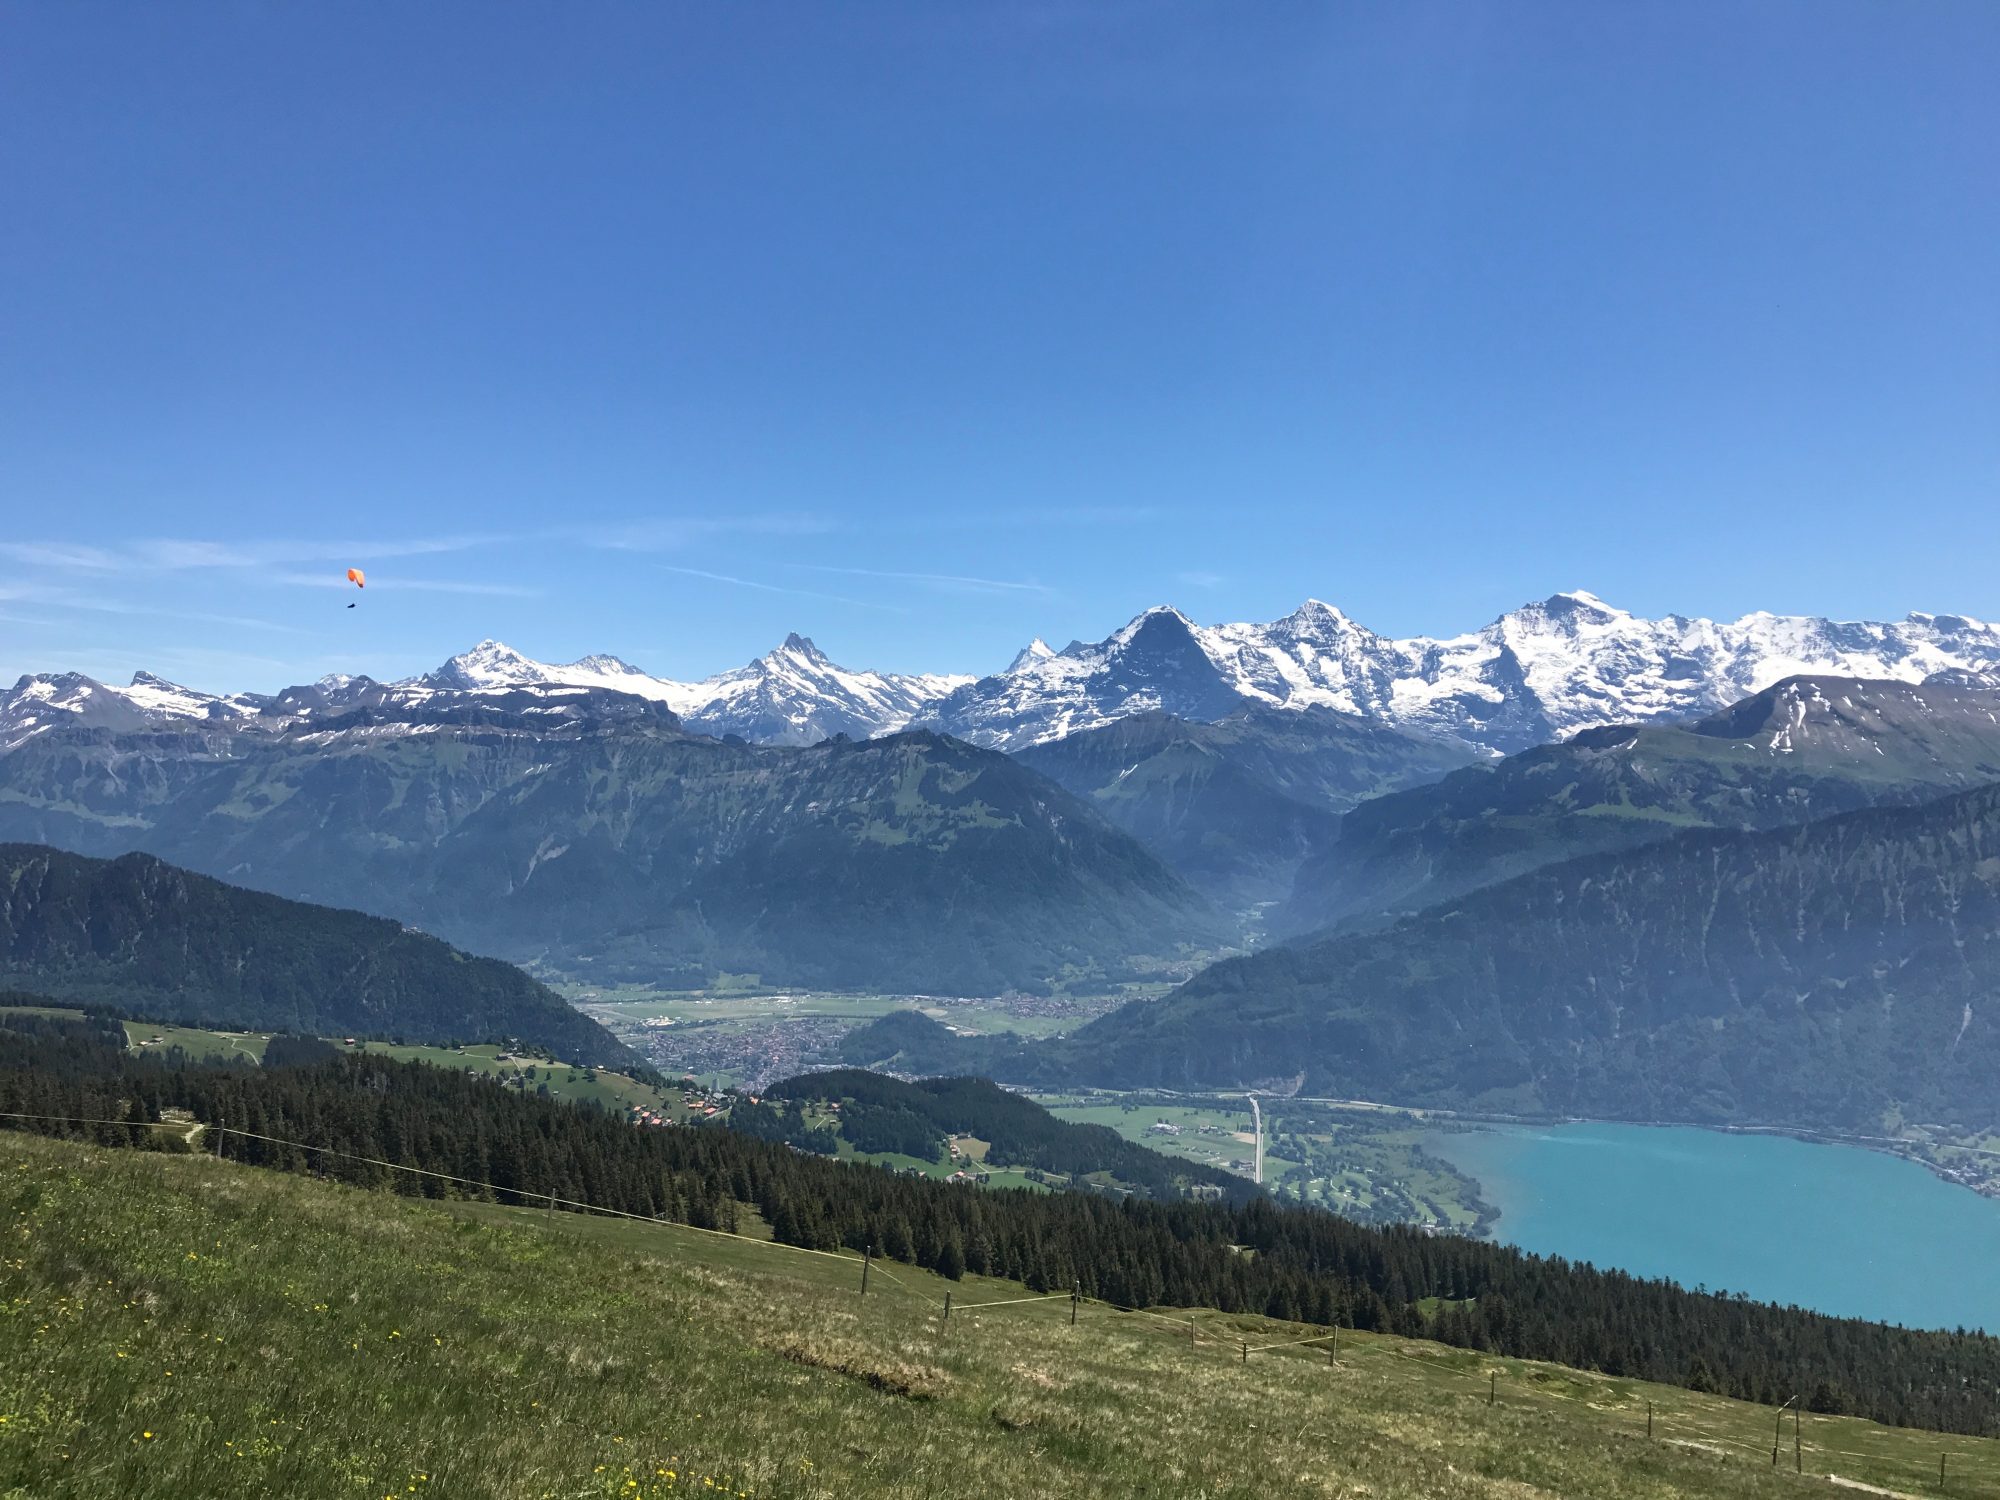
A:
x: 356, y: 577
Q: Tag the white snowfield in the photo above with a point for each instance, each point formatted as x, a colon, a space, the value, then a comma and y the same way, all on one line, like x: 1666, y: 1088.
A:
x: 1537, y: 673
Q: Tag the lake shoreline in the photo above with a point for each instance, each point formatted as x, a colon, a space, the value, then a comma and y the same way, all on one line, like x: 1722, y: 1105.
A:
x: 1910, y: 1151
x: 1777, y: 1215
x: 1985, y: 1185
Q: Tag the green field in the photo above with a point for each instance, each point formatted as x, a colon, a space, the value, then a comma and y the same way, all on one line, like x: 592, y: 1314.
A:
x: 178, y: 1327
x: 1368, y: 1165
x: 972, y: 1152
x: 197, y: 1042
x: 615, y: 1091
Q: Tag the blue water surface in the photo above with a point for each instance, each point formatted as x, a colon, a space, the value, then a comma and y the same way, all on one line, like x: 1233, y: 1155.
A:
x: 1839, y: 1229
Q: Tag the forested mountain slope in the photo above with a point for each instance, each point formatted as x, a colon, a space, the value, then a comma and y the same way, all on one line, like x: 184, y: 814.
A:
x: 144, y: 936
x: 1805, y: 748
x: 1822, y: 974
x: 593, y: 834
x: 1829, y: 974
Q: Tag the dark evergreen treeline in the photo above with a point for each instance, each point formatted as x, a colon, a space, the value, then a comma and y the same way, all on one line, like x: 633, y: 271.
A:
x: 785, y: 1122
x: 1256, y: 1256
x: 914, y: 1118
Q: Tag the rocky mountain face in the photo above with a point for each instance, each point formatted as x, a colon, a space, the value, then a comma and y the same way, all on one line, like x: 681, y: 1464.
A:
x: 1236, y: 806
x: 589, y: 832
x: 1805, y: 748
x: 1536, y: 674
x: 57, y: 700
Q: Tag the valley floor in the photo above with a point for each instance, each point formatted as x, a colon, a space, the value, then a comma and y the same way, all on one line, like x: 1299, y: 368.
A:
x: 179, y: 1326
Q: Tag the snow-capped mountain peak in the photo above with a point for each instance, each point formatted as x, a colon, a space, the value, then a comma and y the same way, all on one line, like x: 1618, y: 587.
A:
x: 45, y: 701
x: 488, y: 665
x: 1036, y: 650
x: 797, y: 695
x: 608, y: 666
x: 1539, y: 672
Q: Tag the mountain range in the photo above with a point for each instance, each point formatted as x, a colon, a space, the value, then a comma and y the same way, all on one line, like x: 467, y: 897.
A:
x: 1536, y: 674
x: 587, y: 831
x: 791, y: 696
x: 1839, y: 973
x: 1804, y: 748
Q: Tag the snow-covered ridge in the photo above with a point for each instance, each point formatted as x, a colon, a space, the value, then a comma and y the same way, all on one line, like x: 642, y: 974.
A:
x: 1537, y: 673
x: 793, y: 695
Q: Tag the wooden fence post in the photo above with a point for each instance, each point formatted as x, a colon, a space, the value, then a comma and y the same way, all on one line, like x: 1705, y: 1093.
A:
x: 1246, y: 1350
x: 867, y: 1254
x: 1492, y: 1387
x: 1075, y: 1296
x: 1649, y: 1419
x: 944, y: 1324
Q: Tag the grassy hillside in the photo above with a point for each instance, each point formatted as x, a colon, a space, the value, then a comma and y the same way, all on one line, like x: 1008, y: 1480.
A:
x: 147, y: 937
x: 178, y: 1326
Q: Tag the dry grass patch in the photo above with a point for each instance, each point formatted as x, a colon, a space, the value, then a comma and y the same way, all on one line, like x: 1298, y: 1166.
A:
x: 917, y: 1380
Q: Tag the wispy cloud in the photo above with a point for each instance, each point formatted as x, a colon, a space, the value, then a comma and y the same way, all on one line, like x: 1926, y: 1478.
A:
x: 1202, y: 580
x: 956, y: 582
x: 183, y: 554
x: 397, y: 582
x: 92, y: 603
x: 673, y: 533
x: 63, y: 556
x: 778, y: 588
x: 980, y: 519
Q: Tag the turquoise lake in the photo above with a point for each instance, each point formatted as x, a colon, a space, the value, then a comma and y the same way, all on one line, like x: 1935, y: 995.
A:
x: 1835, y: 1228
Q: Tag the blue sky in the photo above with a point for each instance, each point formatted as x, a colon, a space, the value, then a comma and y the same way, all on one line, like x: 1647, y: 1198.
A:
x: 924, y: 329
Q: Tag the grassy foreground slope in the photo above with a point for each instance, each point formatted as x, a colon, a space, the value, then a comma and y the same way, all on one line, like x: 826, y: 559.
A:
x: 179, y: 1326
